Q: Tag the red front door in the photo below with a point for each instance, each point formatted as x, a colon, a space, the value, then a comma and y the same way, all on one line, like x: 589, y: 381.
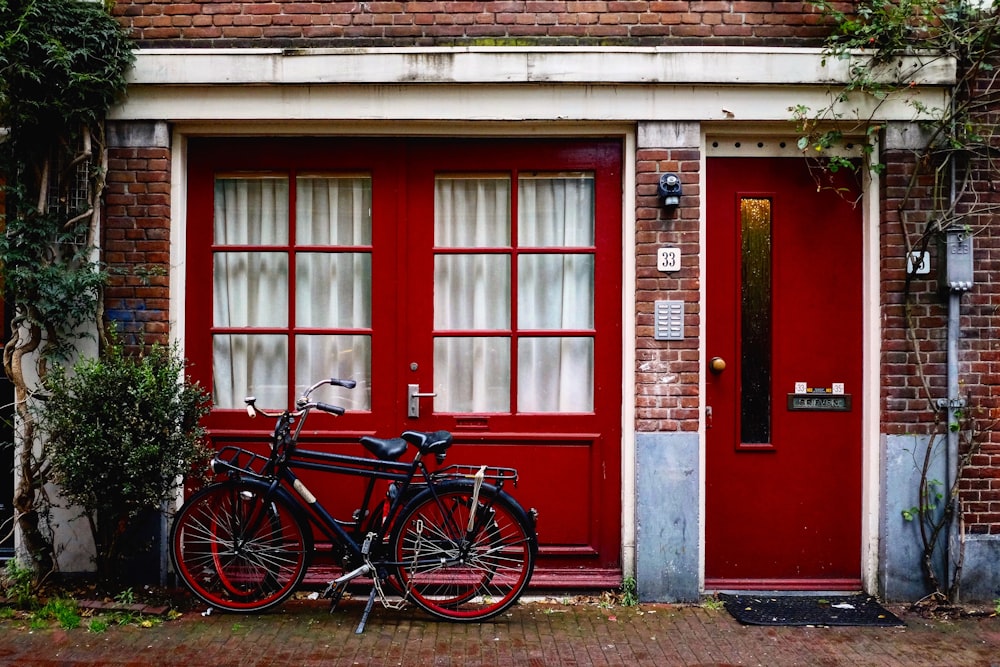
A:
x: 783, y: 461
x: 473, y: 286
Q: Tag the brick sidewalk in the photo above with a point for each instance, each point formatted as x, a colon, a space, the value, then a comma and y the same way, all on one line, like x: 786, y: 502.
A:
x: 303, y: 633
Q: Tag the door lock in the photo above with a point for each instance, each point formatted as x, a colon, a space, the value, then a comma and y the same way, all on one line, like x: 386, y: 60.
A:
x: 413, y: 396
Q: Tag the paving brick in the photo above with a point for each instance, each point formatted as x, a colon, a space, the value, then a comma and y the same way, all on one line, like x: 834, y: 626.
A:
x: 538, y: 632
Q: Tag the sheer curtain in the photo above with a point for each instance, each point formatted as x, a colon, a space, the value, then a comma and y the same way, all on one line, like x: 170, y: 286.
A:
x: 251, y: 288
x: 472, y: 294
x: 555, y: 294
x: 333, y: 289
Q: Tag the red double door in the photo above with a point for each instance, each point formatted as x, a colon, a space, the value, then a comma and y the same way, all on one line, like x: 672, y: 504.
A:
x: 784, y: 329
x: 473, y: 286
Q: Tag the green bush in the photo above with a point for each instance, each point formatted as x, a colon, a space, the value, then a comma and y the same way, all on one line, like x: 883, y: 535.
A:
x: 122, y: 430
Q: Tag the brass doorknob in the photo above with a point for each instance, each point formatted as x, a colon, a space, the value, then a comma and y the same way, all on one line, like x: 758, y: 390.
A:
x: 717, y: 365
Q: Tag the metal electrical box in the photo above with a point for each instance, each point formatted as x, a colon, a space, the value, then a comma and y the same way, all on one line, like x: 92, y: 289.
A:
x: 955, y: 260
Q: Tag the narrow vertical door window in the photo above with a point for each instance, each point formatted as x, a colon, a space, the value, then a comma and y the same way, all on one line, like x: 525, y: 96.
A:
x: 755, y: 307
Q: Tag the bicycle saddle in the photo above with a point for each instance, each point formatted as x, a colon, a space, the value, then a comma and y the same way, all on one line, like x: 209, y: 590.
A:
x: 384, y: 449
x: 429, y: 443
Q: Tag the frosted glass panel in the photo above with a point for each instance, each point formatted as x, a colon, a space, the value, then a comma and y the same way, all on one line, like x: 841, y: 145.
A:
x: 555, y: 374
x: 333, y: 290
x: 251, y: 289
x: 348, y: 357
x: 471, y: 292
x: 556, y: 210
x: 250, y: 365
x: 251, y: 211
x: 555, y: 291
x: 472, y: 374
x: 471, y: 212
x: 333, y: 210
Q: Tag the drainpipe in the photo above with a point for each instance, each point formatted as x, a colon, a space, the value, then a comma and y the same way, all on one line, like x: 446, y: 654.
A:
x: 955, y: 277
x: 954, y: 403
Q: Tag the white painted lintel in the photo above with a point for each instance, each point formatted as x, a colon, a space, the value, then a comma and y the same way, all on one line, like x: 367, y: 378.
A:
x: 485, y: 102
x: 492, y: 65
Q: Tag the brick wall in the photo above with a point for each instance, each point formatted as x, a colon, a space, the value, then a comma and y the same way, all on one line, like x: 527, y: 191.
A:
x: 227, y: 23
x: 980, y: 369
x: 136, y: 242
x: 906, y: 406
x: 666, y: 373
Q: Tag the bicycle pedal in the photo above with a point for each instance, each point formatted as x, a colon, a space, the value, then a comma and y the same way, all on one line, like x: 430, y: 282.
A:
x: 335, y: 593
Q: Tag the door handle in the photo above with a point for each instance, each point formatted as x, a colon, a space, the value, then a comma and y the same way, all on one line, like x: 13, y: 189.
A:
x: 413, y: 396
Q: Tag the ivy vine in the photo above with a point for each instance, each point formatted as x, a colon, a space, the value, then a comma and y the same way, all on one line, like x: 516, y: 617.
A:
x: 62, y: 65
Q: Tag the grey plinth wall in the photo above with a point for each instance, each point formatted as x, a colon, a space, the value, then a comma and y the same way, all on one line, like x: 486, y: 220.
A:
x: 667, y: 520
x: 900, y: 550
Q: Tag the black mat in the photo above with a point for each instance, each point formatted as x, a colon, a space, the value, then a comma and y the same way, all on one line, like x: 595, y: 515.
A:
x: 809, y: 610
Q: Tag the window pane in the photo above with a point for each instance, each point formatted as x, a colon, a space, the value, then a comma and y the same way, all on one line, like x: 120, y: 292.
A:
x: 251, y: 210
x: 755, y: 215
x: 555, y: 210
x: 471, y: 292
x: 555, y: 374
x: 471, y: 212
x: 333, y: 290
x: 346, y: 357
x: 333, y: 210
x: 472, y: 374
x: 249, y: 365
x: 555, y: 291
x: 251, y: 289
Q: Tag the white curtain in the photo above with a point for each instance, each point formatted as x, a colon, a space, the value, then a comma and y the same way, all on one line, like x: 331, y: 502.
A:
x: 555, y: 291
x: 250, y: 290
x: 332, y: 287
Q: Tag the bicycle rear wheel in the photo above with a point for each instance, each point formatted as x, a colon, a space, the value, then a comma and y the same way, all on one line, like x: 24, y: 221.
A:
x: 238, y: 550
x: 461, y: 574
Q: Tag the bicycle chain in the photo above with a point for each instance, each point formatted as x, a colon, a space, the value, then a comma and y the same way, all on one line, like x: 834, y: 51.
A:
x: 409, y: 580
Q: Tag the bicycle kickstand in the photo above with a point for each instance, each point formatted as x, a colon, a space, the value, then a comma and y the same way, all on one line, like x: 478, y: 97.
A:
x: 368, y: 610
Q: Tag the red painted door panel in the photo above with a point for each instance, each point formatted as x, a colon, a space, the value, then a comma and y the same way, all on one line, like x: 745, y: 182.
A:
x: 568, y: 460
x: 783, y: 496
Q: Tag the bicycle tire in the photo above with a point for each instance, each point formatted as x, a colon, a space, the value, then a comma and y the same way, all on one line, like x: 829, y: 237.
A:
x: 237, y: 549
x: 456, y: 574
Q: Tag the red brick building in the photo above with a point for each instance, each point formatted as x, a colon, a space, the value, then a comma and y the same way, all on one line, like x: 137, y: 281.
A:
x: 708, y: 393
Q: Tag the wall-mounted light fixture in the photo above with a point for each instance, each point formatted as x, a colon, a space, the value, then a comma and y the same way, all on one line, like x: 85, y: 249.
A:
x: 669, y: 190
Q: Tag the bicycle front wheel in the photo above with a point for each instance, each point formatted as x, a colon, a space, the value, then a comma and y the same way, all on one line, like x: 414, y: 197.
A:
x: 457, y: 573
x: 237, y: 549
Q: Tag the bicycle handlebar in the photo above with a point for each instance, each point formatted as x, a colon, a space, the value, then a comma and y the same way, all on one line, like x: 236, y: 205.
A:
x: 303, y: 403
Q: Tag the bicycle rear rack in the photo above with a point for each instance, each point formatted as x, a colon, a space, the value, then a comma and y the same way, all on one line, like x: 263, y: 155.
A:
x: 494, y: 475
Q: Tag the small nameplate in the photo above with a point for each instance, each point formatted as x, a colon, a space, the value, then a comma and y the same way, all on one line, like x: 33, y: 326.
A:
x: 820, y: 402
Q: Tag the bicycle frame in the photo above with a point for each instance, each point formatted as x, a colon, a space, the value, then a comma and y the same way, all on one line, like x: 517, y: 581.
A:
x: 337, y: 464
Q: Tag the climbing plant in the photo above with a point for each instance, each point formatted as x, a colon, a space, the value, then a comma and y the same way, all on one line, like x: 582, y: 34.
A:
x: 62, y: 65
x: 949, y: 188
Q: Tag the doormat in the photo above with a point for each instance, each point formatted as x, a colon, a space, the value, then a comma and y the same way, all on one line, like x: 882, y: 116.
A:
x: 809, y: 610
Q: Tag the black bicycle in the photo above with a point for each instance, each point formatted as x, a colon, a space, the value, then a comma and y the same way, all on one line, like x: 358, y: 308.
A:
x: 451, y: 540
